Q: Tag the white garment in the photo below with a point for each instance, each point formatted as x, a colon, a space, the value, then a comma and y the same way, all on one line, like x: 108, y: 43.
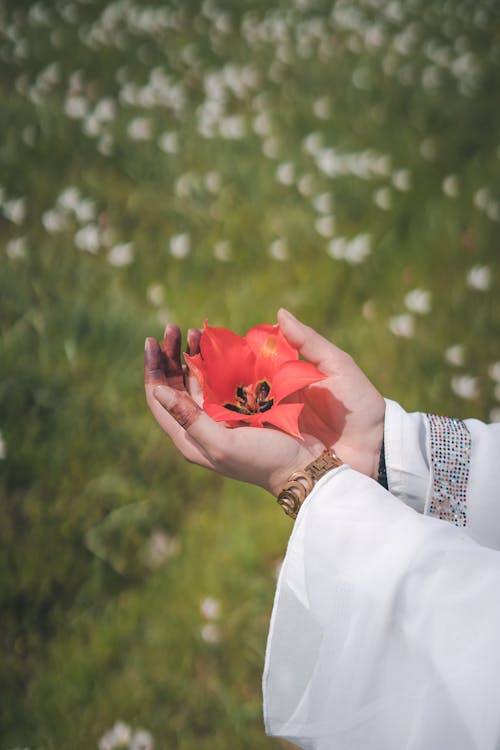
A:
x: 385, y: 633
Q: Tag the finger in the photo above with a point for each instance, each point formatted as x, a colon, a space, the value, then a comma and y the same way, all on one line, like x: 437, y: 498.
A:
x: 193, y: 348
x: 154, y: 372
x: 310, y: 344
x: 171, y: 348
x: 209, y: 435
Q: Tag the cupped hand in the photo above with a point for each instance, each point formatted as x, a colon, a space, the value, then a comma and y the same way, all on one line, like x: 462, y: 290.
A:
x: 261, y: 456
x: 344, y: 411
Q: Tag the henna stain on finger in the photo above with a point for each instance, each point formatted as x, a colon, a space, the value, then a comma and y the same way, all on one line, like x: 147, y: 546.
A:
x: 193, y: 341
x: 154, y: 373
x: 171, y: 349
x: 184, y: 410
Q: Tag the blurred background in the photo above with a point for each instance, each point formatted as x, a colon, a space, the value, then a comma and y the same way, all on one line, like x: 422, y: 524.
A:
x: 186, y: 160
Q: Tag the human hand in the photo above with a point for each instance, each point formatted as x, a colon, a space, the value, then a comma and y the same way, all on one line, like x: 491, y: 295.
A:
x: 344, y: 410
x: 262, y: 456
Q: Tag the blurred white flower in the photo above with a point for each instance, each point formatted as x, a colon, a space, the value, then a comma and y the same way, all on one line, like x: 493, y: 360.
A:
x: 169, y: 142
x: 262, y: 124
x: 232, y: 127
x: 142, y: 740
x: 222, y: 250
x: 494, y: 371
x: 325, y: 225
x: 3, y: 447
x: 105, y: 110
x: 481, y: 198
x: 285, y: 173
x: 418, y: 301
x: 213, y: 181
x: 15, y: 210
x: 336, y: 248
x: 493, y: 211
x: 140, y: 129
x: 455, y: 355
x: 54, y: 221
x: 210, y: 632
x: 155, y: 294
x: 357, y: 249
x: 305, y: 184
x: 160, y: 547
x: 76, y: 107
x: 69, y: 198
x: 369, y: 310
x: 402, y: 180
x: 87, y: 238
x: 16, y: 248
x: 479, y: 277
x: 402, y: 325
x: 383, y: 198
x: 465, y: 386
x: 322, y: 203
x: 313, y: 143
x: 118, y: 736
x: 121, y: 255
x: 85, y: 210
x: 428, y: 149
x: 210, y: 608
x: 321, y: 108
x: 91, y: 126
x: 278, y: 249
x: 180, y: 245
x: 450, y: 186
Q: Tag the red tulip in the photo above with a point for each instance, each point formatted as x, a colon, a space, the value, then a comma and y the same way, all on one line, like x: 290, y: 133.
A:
x: 245, y: 379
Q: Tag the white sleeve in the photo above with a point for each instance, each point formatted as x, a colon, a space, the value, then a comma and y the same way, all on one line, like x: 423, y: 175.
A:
x: 446, y: 468
x: 385, y: 631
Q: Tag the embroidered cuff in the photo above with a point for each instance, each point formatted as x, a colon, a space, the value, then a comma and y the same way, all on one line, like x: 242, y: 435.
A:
x: 450, y: 444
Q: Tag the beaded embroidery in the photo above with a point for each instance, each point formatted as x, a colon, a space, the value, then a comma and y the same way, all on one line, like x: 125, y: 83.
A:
x: 450, y: 444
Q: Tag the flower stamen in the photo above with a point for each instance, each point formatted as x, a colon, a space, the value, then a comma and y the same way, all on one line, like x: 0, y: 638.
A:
x: 251, y: 399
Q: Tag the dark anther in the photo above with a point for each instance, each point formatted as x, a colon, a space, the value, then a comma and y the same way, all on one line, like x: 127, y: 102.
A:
x: 251, y: 400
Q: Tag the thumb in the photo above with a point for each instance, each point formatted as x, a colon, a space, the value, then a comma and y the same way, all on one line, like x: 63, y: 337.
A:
x: 310, y: 344
x: 208, y: 434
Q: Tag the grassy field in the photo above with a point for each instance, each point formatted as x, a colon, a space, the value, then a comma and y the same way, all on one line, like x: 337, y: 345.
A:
x: 184, y: 161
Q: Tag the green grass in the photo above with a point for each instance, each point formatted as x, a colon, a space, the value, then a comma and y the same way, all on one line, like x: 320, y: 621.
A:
x: 94, y: 627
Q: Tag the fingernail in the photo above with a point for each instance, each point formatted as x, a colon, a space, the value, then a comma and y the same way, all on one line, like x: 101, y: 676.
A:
x: 165, y: 395
x: 288, y: 315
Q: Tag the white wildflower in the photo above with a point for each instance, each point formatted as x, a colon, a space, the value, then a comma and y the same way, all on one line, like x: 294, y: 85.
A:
x: 450, y: 186
x: 121, y: 255
x: 213, y: 181
x: 325, y: 225
x: 465, y: 386
x: 87, y: 238
x: 402, y: 180
x: 85, y: 210
x: 494, y: 371
x: 210, y: 608
x: 222, y: 250
x: 455, y: 355
x: 278, y: 249
x: 142, y: 740
x: 481, y: 198
x: 91, y: 126
x: 232, y: 127
x: 418, y: 301
x: 313, y: 143
x: 321, y: 108
x: 169, y: 142
x: 76, y: 107
x: 479, y: 277
x: 16, y: 248
x: 402, y: 325
x: 357, y: 249
x: 271, y: 148
x: 156, y: 294
x: 262, y: 124
x: 337, y: 247
x: 305, y: 184
x: 210, y: 632
x: 54, y: 221
x: 322, y: 203
x: 383, y: 198
x: 69, y: 198
x: 180, y: 245
x: 105, y: 110
x: 15, y: 210
x: 160, y: 547
x: 428, y: 149
x: 493, y: 211
x: 140, y: 129
x: 285, y: 173
x: 118, y: 736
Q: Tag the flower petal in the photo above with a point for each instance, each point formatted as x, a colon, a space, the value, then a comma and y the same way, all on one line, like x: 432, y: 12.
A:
x: 228, y: 362
x: 221, y: 414
x: 196, y: 366
x: 285, y: 417
x: 271, y: 349
x: 291, y: 377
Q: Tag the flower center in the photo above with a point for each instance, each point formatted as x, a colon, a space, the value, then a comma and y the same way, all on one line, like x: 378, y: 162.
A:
x: 251, y: 399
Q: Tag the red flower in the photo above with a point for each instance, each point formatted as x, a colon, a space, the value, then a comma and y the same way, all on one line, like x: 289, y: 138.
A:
x: 245, y: 379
